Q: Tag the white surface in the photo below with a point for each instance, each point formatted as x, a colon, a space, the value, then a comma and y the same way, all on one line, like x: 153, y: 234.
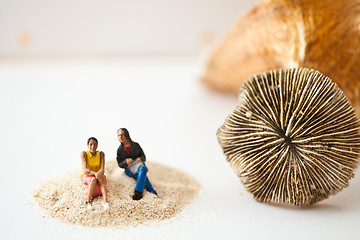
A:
x: 88, y: 27
x: 49, y: 109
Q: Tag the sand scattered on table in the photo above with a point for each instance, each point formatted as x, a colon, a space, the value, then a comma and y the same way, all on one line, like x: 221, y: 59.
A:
x: 64, y: 197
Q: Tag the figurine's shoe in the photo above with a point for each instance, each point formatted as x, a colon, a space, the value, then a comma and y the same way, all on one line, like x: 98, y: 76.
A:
x: 89, y: 206
x: 137, y: 196
x: 106, y: 206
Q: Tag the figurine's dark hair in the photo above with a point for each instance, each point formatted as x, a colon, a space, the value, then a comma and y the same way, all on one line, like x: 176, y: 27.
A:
x: 126, y: 134
x: 92, y: 138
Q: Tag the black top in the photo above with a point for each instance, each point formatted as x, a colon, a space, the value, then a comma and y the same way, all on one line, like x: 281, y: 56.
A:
x: 135, y: 152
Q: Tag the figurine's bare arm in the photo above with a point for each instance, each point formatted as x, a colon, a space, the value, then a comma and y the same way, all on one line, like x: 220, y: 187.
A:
x: 129, y: 161
x: 101, y: 172
x: 102, y: 161
x: 84, y: 163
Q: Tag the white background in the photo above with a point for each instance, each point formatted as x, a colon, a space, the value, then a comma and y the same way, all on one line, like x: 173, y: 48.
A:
x: 50, y: 106
x: 113, y: 27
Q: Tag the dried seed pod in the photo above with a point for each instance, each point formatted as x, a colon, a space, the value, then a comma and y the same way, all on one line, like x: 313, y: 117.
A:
x: 321, y: 34
x: 293, y: 137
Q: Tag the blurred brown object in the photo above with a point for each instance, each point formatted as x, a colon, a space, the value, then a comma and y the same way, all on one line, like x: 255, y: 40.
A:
x: 320, y: 34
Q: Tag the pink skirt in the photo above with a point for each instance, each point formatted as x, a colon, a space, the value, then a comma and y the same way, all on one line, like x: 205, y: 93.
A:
x: 87, y: 180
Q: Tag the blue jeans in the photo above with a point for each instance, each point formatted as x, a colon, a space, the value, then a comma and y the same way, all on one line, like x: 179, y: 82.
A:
x: 142, y: 180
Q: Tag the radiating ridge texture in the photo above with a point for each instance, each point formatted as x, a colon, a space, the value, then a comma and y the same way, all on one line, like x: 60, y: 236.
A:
x: 293, y: 137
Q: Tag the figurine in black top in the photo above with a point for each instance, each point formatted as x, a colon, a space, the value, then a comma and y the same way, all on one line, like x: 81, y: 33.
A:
x: 131, y: 157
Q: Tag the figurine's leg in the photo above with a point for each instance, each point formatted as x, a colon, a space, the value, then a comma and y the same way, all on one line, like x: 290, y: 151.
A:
x: 102, y: 183
x: 130, y: 174
x: 92, y: 186
x: 141, y: 177
x: 149, y: 187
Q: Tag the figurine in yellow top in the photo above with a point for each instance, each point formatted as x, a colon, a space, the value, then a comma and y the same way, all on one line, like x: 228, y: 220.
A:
x: 93, y: 165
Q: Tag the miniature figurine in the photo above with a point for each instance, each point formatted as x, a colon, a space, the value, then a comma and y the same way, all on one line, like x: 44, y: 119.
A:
x: 93, y: 165
x: 131, y: 157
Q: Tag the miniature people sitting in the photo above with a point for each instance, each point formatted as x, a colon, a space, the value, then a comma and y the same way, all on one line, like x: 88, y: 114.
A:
x: 93, y: 165
x: 131, y: 157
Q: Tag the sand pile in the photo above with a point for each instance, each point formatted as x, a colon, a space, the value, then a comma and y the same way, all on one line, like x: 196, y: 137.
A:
x: 64, y: 197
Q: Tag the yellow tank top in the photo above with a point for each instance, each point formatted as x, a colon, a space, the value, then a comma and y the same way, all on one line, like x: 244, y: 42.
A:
x: 93, y: 162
